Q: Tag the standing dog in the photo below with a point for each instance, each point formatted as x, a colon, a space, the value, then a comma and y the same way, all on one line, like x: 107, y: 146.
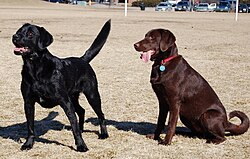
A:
x: 50, y: 81
x: 184, y: 92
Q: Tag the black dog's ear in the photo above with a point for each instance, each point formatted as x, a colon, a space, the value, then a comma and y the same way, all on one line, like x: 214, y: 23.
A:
x: 167, y: 40
x: 45, y: 38
x: 26, y: 24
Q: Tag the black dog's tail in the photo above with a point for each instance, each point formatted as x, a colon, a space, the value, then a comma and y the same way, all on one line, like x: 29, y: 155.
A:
x: 238, y: 129
x: 98, y: 42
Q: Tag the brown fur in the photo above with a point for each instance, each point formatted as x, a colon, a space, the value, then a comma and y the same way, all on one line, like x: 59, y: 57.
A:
x: 183, y: 92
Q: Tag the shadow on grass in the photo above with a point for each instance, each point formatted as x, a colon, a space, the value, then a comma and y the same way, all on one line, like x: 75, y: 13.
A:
x: 142, y: 128
x: 18, y: 131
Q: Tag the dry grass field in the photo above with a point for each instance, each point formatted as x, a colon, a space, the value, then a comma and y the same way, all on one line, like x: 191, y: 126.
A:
x: 213, y: 43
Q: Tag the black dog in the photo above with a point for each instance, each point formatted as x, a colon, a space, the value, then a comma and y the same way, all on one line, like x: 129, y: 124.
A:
x: 51, y: 81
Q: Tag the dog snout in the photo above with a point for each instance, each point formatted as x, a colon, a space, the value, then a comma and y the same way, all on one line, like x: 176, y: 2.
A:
x: 136, y: 46
x: 15, y: 37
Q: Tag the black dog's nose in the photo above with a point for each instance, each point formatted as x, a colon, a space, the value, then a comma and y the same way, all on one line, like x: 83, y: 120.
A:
x: 15, y: 36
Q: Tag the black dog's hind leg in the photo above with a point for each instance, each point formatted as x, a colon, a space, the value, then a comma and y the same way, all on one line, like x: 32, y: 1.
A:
x: 94, y: 100
x: 79, y: 110
x: 68, y: 108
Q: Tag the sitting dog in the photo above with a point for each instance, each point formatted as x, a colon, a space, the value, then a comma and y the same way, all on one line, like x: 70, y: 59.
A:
x: 183, y: 92
x: 50, y: 81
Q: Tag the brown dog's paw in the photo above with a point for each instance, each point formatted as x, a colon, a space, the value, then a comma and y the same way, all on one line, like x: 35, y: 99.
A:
x: 164, y: 142
x: 215, y: 140
x: 150, y: 136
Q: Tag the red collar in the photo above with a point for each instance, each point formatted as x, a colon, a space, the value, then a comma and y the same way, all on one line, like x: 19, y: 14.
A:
x: 168, y: 59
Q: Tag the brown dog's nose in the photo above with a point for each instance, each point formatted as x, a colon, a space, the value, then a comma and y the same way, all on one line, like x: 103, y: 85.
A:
x: 136, y: 45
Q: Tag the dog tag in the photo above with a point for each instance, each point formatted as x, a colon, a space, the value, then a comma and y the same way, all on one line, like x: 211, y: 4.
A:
x: 162, y: 68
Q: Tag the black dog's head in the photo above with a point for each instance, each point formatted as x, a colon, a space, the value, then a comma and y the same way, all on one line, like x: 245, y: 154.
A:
x: 31, y: 39
x: 156, y: 43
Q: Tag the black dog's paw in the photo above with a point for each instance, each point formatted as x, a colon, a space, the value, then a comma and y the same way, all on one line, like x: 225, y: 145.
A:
x: 103, y: 136
x: 82, y: 148
x: 26, y: 146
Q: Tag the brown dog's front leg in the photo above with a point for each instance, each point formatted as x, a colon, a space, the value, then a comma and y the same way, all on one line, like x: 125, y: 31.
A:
x: 161, y: 122
x: 174, y: 113
x: 163, y: 112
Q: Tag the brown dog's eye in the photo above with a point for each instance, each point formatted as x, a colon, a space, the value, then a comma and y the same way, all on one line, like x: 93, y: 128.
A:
x: 151, y: 38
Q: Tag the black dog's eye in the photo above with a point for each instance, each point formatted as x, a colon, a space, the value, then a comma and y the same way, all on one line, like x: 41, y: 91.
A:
x: 30, y: 33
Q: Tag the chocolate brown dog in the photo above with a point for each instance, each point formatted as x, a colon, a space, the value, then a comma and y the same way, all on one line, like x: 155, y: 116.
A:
x: 184, y: 92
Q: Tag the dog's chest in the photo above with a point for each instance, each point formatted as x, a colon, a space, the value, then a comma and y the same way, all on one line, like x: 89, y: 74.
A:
x: 43, y: 89
x: 46, y: 94
x: 42, y: 81
x: 157, y: 75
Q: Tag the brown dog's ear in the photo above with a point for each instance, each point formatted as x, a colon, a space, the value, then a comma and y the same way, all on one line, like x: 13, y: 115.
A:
x: 45, y: 38
x: 167, y: 40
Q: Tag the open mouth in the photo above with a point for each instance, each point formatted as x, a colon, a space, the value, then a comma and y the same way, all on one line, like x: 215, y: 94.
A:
x: 146, y: 55
x: 19, y: 50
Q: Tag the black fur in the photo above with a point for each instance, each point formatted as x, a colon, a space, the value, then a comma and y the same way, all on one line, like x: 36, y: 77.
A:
x: 50, y: 81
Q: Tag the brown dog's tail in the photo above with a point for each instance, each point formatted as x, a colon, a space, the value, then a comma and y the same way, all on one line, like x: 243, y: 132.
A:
x: 98, y: 42
x: 238, y: 129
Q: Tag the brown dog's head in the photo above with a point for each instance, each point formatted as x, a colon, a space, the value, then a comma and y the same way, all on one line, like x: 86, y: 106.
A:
x: 157, y: 43
x: 31, y: 39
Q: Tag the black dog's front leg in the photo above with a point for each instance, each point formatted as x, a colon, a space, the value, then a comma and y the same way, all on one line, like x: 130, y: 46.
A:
x: 70, y: 112
x: 29, y: 113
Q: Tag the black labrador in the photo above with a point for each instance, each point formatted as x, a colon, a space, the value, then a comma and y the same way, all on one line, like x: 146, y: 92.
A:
x: 50, y: 81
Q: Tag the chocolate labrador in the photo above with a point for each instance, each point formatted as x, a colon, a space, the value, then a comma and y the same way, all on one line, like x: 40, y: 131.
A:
x: 183, y: 92
x: 50, y: 81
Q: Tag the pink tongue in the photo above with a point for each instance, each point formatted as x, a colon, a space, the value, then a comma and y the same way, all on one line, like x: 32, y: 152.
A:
x: 145, y: 56
x: 22, y: 49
